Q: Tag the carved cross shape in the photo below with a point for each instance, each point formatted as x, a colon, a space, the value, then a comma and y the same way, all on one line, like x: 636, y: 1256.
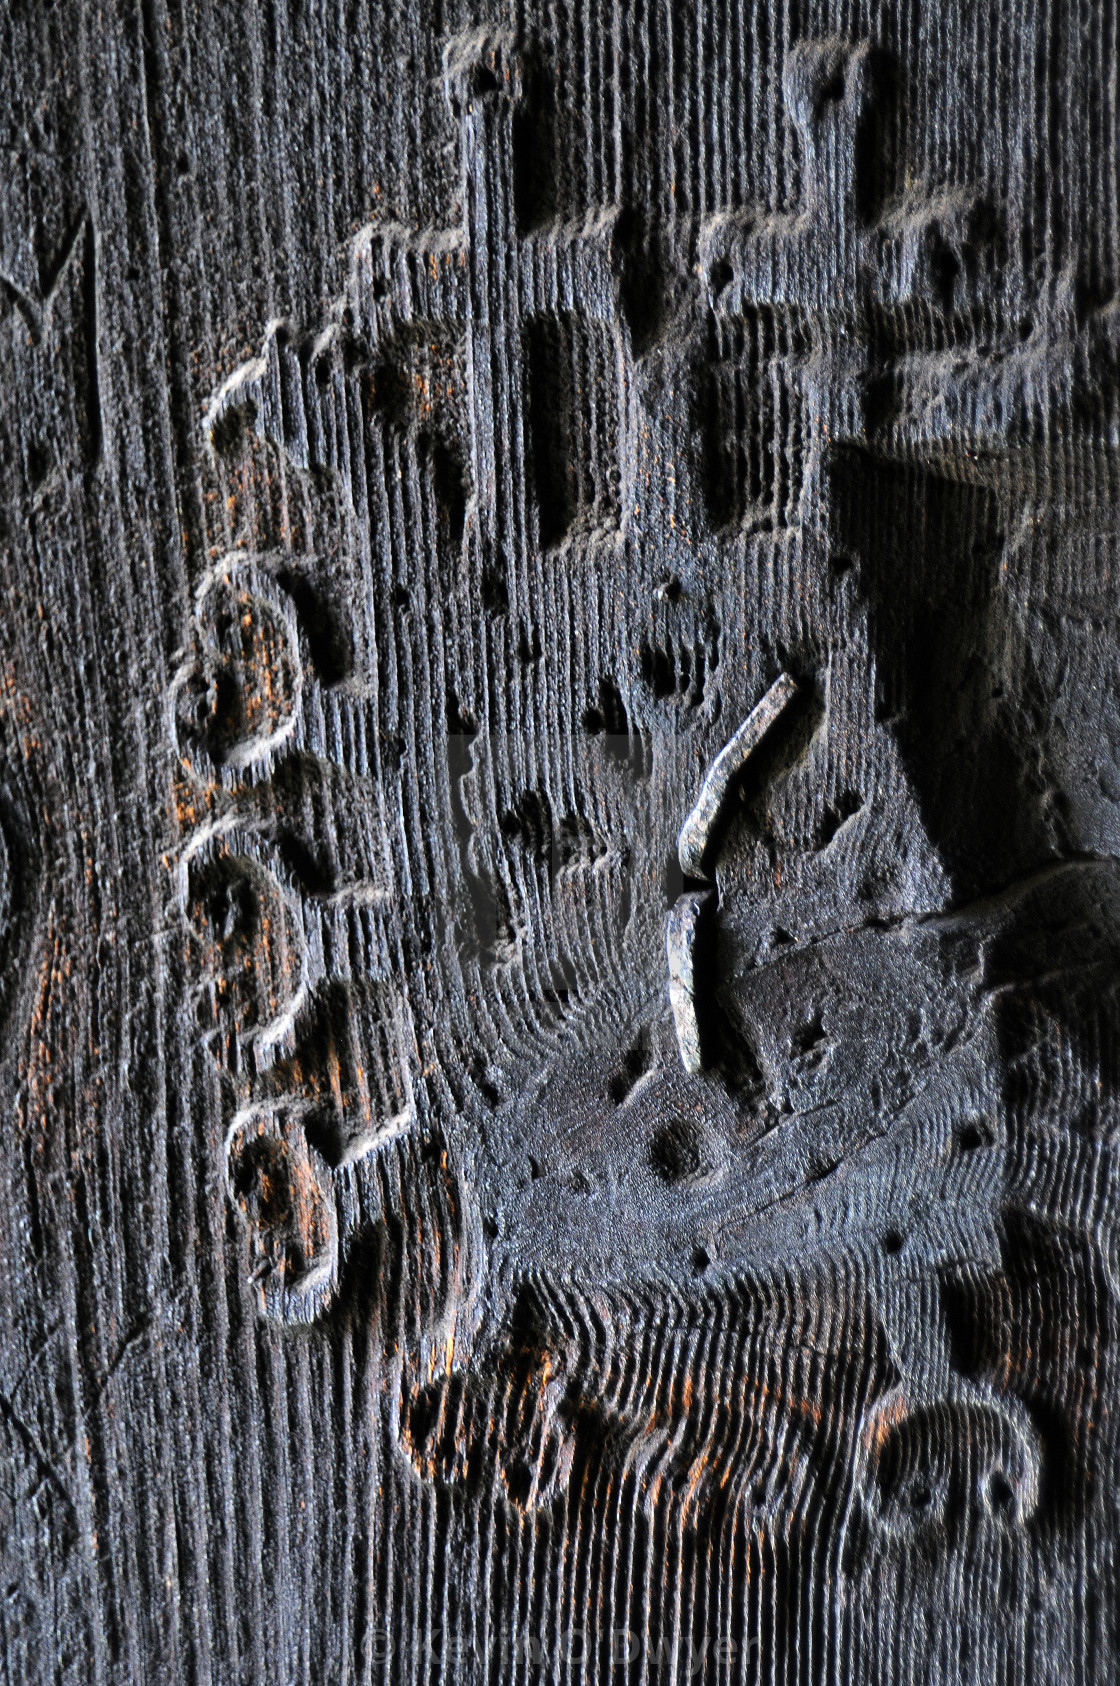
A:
x: 852, y: 291
x: 540, y: 470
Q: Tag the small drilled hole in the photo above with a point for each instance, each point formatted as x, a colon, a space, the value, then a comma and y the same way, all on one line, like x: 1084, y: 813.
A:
x: 720, y: 275
x: 971, y: 1136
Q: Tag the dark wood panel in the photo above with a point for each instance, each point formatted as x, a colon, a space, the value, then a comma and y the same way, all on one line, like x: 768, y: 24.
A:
x: 454, y: 1227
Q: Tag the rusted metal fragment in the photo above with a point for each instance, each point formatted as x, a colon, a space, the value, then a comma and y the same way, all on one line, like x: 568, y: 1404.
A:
x: 699, y: 828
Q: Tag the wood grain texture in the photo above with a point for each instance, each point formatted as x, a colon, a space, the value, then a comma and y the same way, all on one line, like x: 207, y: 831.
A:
x: 425, y: 436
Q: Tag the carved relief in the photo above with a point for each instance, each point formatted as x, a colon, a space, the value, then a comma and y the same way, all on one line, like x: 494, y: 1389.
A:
x: 452, y: 852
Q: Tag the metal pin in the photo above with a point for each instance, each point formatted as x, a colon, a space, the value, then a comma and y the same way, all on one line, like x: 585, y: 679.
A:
x: 699, y: 828
x: 686, y: 916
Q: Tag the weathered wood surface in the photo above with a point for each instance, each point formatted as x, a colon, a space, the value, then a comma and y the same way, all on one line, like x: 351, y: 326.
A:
x: 425, y: 436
